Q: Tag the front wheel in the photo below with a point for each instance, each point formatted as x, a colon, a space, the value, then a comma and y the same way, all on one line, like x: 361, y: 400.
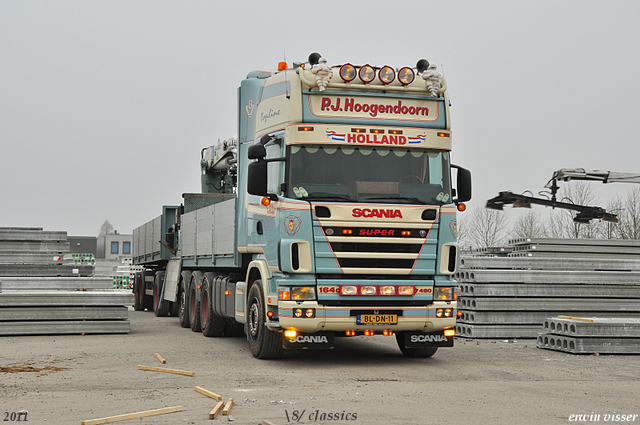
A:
x: 414, y: 352
x: 264, y: 344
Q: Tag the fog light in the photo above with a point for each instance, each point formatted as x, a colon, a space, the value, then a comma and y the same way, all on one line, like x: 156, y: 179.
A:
x: 439, y: 312
x: 368, y: 290
x: 290, y: 334
x: 406, y: 290
x: 449, y: 332
x: 310, y: 313
x: 349, y: 290
x: 448, y: 312
x: 387, y: 290
x: 297, y: 312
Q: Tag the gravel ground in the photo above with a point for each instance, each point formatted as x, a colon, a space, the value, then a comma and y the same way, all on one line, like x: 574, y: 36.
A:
x: 364, y: 380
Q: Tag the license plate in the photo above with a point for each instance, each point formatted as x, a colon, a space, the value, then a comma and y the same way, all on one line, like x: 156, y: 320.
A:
x: 377, y: 319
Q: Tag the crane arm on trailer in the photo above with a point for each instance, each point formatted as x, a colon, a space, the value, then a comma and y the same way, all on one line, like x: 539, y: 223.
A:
x: 585, y: 213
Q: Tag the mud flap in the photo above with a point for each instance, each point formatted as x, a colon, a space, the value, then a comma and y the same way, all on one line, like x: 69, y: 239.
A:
x: 318, y: 340
x: 431, y: 339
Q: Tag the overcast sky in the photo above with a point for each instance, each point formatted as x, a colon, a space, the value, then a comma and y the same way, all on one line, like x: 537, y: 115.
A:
x: 105, y: 105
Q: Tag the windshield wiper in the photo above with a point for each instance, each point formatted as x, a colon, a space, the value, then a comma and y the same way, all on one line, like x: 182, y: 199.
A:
x: 398, y: 198
x: 322, y: 195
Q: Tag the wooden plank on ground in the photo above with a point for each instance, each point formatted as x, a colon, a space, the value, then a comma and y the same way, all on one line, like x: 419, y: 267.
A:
x: 161, y: 369
x: 227, y: 407
x: 128, y: 416
x: 208, y: 393
x: 216, y: 410
x: 160, y: 358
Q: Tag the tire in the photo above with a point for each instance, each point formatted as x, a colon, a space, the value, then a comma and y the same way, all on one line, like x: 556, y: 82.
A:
x: 211, y: 323
x: 138, y: 292
x: 147, y: 300
x: 233, y: 328
x: 194, y: 304
x: 264, y: 344
x: 183, y: 309
x: 174, y: 309
x: 414, y: 352
x: 160, y: 306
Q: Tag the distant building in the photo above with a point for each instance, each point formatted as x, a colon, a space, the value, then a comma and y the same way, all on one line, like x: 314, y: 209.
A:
x: 83, y: 245
x: 114, y: 247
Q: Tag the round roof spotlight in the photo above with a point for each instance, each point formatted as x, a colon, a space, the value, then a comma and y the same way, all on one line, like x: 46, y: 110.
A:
x: 367, y: 73
x: 347, y: 73
x: 386, y: 75
x: 422, y: 65
x: 314, y: 58
x: 406, y: 76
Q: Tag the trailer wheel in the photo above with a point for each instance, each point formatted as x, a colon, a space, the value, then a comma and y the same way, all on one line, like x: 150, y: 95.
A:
x: 160, y: 306
x: 234, y: 328
x: 147, y: 300
x: 211, y: 323
x: 194, y: 305
x: 183, y: 310
x: 264, y: 344
x: 138, y: 292
x: 414, y: 352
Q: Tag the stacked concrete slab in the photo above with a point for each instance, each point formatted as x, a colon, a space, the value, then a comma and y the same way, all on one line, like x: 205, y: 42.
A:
x: 502, y: 295
x: 591, y: 335
x: 39, y: 296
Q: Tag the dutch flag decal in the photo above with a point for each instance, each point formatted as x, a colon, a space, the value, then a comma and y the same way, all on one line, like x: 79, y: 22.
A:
x: 417, y: 139
x: 335, y: 136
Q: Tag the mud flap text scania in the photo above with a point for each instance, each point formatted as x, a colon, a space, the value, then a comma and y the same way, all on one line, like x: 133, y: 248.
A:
x: 431, y: 339
x: 318, y: 340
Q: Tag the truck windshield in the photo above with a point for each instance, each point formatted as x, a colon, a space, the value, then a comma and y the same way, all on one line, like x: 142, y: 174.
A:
x: 364, y: 174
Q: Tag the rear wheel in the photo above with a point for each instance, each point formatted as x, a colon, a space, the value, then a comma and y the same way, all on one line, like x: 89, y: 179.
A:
x: 138, y: 292
x: 194, y: 304
x: 414, y: 352
x: 160, y: 306
x: 183, y: 310
x: 211, y: 323
x: 264, y: 344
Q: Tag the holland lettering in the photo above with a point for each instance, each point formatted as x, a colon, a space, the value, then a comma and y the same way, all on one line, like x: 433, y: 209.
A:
x: 376, y: 139
x: 373, y: 109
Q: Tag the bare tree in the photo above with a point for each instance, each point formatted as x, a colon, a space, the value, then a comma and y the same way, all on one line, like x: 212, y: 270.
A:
x: 629, y: 216
x: 529, y: 225
x: 485, y: 227
x: 561, y: 224
x: 106, y: 229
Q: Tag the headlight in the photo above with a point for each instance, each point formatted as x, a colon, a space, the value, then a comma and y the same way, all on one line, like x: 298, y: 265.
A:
x: 302, y: 293
x: 367, y: 74
x: 387, y: 290
x: 406, y: 76
x: 347, y: 73
x: 368, y: 290
x: 443, y: 294
x: 386, y: 75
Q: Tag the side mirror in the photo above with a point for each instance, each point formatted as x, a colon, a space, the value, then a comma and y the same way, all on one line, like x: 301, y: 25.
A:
x: 463, y: 184
x: 257, y: 177
x: 257, y: 152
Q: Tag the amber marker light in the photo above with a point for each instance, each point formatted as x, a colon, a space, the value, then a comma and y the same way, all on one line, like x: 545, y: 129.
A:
x: 444, y: 135
x: 265, y: 201
x: 290, y: 334
x: 369, y: 332
x: 347, y: 232
x: 269, y: 314
x: 305, y: 128
x: 387, y: 332
x: 350, y: 333
x: 282, y: 66
x: 449, y: 332
x: 227, y: 293
x: 462, y: 207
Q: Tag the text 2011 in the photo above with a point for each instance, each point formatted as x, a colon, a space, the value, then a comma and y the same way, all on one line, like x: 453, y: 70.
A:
x: 20, y: 416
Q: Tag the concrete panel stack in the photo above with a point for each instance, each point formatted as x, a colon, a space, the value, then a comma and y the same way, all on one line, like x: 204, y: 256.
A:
x: 510, y: 296
x: 60, y: 297
x: 591, y: 335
